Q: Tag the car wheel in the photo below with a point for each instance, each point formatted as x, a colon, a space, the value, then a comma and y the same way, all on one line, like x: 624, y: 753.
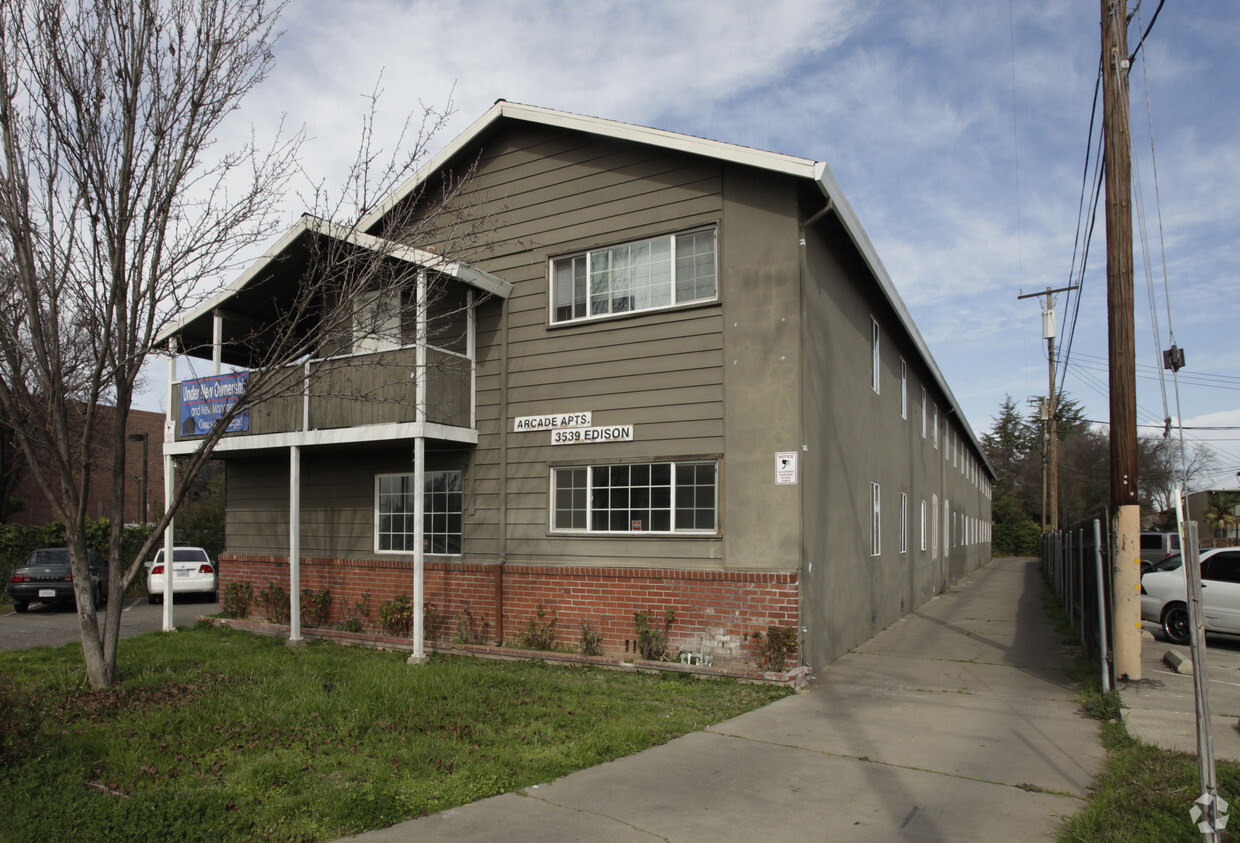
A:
x: 20, y: 605
x: 152, y: 599
x: 1175, y: 623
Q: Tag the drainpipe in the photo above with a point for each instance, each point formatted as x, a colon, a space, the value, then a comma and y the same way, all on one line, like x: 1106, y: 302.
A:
x: 503, y: 477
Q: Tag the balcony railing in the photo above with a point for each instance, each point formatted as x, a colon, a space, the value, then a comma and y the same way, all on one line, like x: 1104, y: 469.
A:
x: 356, y: 391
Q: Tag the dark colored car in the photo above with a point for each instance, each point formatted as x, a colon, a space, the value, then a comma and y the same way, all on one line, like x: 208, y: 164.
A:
x: 46, y: 577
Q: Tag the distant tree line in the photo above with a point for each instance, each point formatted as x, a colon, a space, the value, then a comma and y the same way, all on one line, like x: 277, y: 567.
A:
x: 1016, y: 449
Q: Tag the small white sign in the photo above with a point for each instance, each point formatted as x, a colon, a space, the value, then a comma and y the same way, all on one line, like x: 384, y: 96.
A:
x: 170, y: 431
x: 591, y: 435
x: 554, y: 421
x: 786, y: 468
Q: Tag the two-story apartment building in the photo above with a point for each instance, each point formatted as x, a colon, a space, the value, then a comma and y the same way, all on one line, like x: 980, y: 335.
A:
x: 677, y: 378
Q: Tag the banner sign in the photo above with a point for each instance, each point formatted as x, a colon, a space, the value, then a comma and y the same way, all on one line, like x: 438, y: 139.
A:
x: 204, y: 402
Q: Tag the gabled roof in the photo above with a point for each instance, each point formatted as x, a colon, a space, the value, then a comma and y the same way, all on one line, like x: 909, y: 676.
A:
x: 289, y: 251
x: 815, y: 171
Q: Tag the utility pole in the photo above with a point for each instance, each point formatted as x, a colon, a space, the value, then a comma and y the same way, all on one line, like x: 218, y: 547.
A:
x: 1125, y: 505
x: 1050, y: 476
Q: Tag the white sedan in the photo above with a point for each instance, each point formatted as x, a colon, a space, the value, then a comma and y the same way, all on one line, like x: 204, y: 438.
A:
x: 193, y: 572
x: 1164, y: 590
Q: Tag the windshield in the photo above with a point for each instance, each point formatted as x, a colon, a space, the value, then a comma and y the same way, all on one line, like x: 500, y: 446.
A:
x: 1171, y: 563
x: 184, y: 554
x: 50, y: 556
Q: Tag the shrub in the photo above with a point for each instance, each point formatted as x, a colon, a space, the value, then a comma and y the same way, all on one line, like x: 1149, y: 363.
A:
x: 591, y: 641
x: 273, y: 604
x: 315, y: 607
x: 468, y: 631
x: 396, y: 616
x: 354, y: 615
x: 539, y: 633
x: 652, y: 642
x: 235, y: 599
x: 775, y: 646
x: 431, y: 619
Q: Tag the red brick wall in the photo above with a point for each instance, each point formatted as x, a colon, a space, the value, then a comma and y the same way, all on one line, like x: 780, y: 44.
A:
x: 713, y: 609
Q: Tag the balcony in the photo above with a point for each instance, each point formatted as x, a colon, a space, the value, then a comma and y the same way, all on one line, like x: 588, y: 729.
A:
x: 354, y: 391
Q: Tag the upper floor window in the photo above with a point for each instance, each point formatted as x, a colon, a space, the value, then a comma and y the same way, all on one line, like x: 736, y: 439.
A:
x: 874, y: 362
x: 903, y: 389
x: 646, y: 275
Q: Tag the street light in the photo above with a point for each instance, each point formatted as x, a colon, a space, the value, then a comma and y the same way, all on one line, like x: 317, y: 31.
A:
x: 144, y: 438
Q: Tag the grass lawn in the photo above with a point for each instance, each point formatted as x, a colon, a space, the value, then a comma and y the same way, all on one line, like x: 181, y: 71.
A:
x: 222, y: 735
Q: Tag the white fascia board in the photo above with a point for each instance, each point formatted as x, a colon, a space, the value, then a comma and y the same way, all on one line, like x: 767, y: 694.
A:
x: 336, y: 436
x: 463, y: 272
x: 459, y: 270
x: 239, y: 283
x: 831, y: 189
x: 772, y: 161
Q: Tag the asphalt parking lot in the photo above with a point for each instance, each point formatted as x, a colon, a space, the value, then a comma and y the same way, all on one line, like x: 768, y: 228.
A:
x: 52, y: 626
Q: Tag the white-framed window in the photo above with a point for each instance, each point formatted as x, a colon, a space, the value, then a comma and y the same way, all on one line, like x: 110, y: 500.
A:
x: 441, y: 517
x: 377, y: 321
x: 903, y: 389
x: 874, y: 361
x: 904, y: 522
x: 936, y: 427
x: 947, y: 532
x: 650, y: 274
x: 661, y: 497
x: 923, y: 412
x: 922, y: 524
x: 934, y: 526
x: 876, y: 521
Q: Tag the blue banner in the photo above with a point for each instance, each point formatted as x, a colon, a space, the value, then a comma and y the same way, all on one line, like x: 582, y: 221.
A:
x: 204, y: 402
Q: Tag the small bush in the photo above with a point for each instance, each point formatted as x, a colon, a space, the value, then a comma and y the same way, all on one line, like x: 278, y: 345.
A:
x: 468, y: 631
x: 273, y: 604
x: 431, y: 619
x: 652, y: 642
x: 396, y: 616
x: 775, y: 646
x: 591, y: 641
x: 355, y: 615
x: 315, y: 607
x: 235, y: 599
x: 539, y: 633
x: 19, y: 723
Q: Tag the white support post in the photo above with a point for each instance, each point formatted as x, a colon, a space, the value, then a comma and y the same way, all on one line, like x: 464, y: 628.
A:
x: 294, y: 546
x: 169, y: 487
x: 217, y: 341
x: 419, y: 480
x: 471, y: 350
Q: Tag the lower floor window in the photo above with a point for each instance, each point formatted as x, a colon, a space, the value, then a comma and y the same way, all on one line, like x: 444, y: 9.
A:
x: 441, y: 517
x: 661, y: 497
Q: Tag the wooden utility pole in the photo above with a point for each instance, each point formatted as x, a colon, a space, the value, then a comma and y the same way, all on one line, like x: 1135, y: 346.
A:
x: 1125, y: 505
x: 1050, y: 470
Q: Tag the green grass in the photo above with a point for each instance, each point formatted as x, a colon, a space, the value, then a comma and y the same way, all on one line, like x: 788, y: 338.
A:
x: 221, y: 735
x: 1144, y: 794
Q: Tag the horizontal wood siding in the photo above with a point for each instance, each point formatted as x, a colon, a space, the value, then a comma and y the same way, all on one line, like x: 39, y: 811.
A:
x: 552, y: 194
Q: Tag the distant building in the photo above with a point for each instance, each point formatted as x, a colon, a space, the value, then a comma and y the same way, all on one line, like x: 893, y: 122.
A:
x: 144, y: 428
x: 679, y: 379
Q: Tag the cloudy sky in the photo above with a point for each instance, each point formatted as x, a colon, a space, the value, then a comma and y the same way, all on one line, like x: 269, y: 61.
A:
x: 958, y: 130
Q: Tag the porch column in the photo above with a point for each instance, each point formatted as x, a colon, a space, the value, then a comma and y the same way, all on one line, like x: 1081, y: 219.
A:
x: 419, y: 478
x: 170, y: 426
x: 217, y: 341
x: 294, y: 546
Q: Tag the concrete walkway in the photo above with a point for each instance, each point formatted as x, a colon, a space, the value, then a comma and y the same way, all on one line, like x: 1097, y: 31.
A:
x: 956, y: 723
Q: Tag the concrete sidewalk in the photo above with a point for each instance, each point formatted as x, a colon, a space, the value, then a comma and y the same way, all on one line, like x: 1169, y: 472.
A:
x: 956, y: 723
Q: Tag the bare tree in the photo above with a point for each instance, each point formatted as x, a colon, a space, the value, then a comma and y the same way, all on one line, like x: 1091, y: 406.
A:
x: 119, y: 217
x: 114, y: 213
